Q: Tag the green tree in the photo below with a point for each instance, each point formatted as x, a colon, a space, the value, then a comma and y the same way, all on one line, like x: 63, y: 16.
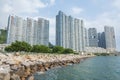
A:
x: 68, y: 50
x: 19, y: 46
x: 57, y: 49
x: 40, y: 49
x: 8, y: 49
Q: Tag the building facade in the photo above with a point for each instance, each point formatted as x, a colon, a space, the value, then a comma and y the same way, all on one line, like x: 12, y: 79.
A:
x: 30, y: 30
x: 69, y: 32
x: 104, y: 40
x: 110, y: 38
x: 101, y: 40
x: 86, y: 37
x: 93, y: 37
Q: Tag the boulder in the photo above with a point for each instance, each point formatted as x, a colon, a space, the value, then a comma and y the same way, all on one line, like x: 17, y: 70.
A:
x: 4, y: 72
x: 15, y: 77
x: 31, y: 78
x: 17, y: 54
x: 4, y: 76
x: 0, y: 62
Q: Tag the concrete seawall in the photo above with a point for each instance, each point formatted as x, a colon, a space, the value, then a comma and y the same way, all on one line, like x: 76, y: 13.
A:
x: 22, y: 67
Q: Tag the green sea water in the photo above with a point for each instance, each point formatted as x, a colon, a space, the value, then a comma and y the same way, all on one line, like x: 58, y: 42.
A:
x: 96, y: 68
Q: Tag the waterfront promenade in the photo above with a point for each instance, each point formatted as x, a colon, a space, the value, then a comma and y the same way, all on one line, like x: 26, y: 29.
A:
x: 17, y: 66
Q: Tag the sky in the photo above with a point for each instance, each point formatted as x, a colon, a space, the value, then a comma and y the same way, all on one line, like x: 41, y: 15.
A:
x: 95, y: 13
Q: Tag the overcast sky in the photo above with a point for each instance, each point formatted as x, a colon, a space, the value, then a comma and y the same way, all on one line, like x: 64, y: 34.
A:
x: 95, y: 13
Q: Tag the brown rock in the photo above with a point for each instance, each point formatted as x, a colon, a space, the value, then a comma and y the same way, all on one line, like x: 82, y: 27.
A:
x: 31, y: 78
x: 17, y: 54
x: 4, y: 76
x: 23, y: 78
x: 27, y: 72
x: 15, y: 77
x: 20, y: 71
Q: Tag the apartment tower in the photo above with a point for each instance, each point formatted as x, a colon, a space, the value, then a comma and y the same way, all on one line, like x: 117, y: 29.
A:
x: 34, y: 32
x: 69, y: 32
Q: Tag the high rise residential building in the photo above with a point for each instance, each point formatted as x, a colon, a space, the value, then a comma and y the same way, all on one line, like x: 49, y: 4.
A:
x: 14, y: 30
x: 110, y: 38
x: 79, y: 41
x: 86, y: 37
x: 69, y: 32
x: 43, y: 31
x: 30, y: 30
x: 101, y: 40
x: 93, y: 37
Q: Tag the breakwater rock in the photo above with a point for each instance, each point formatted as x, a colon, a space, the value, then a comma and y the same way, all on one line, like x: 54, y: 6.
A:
x: 22, y: 67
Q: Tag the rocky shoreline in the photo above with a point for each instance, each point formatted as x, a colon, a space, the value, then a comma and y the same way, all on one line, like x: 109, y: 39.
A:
x: 22, y: 67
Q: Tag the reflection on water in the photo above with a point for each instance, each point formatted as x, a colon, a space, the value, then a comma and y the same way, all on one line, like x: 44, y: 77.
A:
x: 97, y: 68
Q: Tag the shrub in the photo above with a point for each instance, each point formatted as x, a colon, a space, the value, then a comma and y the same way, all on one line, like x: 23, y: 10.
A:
x: 8, y: 49
x: 23, y: 46
x: 40, y: 49
x: 18, y: 46
x: 101, y: 54
x: 57, y: 49
x: 67, y: 50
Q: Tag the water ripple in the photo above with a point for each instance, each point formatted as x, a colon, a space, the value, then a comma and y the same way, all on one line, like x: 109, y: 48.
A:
x: 97, y: 68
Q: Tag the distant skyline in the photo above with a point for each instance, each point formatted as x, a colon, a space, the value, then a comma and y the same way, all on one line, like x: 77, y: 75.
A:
x: 95, y: 13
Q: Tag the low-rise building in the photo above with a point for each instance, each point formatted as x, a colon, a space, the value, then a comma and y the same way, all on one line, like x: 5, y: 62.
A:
x: 95, y: 50
x: 99, y: 50
x: 2, y: 46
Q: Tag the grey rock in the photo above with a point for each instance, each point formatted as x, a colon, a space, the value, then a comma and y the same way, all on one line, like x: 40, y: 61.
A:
x: 15, y: 77
x: 31, y: 78
x: 4, y: 76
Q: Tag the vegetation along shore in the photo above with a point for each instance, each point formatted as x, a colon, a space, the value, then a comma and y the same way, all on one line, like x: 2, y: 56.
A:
x: 14, y: 66
x: 21, y: 61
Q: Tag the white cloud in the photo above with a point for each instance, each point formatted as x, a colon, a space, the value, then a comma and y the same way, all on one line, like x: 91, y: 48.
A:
x: 116, y: 3
x: 7, y: 8
x: 21, y: 8
x: 52, y: 2
x: 100, y: 21
x: 77, y: 10
x: 103, y: 19
x: 26, y: 6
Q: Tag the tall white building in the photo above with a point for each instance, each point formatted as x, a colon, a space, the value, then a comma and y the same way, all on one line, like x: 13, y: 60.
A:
x: 110, y: 38
x: 93, y: 37
x: 43, y: 31
x: 86, y: 37
x: 79, y: 38
x: 30, y: 30
x: 69, y: 32
x: 14, y: 29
